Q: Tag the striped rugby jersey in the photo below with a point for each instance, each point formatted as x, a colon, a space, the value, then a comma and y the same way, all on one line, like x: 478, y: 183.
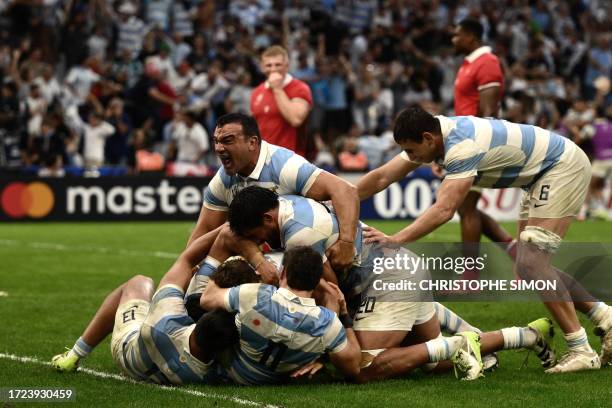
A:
x: 278, y: 169
x: 165, y: 333
x: 498, y: 153
x: 279, y: 332
x: 306, y: 222
x: 303, y: 221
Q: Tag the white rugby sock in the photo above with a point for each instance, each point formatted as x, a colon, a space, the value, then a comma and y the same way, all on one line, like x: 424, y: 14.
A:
x: 450, y: 322
x: 518, y: 337
x: 578, y: 341
x: 80, y: 348
x: 442, y: 348
x: 601, y: 315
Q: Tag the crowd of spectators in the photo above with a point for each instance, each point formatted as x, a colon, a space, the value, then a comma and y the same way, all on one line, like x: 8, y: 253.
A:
x: 139, y: 84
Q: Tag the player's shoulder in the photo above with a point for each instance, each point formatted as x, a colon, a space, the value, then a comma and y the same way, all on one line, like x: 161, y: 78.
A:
x: 261, y: 290
x: 297, y: 83
x: 295, y: 200
x: 298, y: 86
x: 487, y: 59
x: 278, y: 156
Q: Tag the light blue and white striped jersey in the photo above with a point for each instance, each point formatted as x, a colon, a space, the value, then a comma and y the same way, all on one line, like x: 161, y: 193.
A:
x: 498, y: 153
x: 306, y: 222
x: 302, y: 222
x: 278, y: 169
x: 130, y: 35
x: 200, y: 279
x: 165, y: 333
x: 279, y: 332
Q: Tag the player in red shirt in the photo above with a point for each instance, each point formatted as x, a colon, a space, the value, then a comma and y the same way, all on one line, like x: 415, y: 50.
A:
x: 281, y: 104
x: 478, y: 90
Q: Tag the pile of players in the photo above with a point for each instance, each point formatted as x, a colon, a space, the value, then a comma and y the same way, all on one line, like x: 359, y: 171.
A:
x: 225, y: 312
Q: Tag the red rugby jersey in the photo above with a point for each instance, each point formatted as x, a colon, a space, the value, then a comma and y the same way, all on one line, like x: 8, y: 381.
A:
x: 481, y: 69
x: 272, y: 126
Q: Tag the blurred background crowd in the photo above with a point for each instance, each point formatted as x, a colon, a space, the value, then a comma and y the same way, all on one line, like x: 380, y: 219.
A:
x: 112, y: 87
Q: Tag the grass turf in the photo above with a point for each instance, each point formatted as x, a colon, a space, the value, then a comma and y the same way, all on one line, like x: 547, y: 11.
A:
x: 55, y: 276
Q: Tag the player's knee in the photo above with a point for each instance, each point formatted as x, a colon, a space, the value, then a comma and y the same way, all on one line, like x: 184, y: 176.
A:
x: 534, y: 241
x: 541, y: 238
x: 142, y: 280
x: 139, y: 286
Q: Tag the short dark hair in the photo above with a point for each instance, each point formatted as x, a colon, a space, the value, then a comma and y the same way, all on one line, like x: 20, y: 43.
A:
x: 303, y: 268
x: 248, y: 123
x: 411, y: 123
x: 469, y: 25
x: 248, y: 207
x: 234, y: 272
x: 216, y: 331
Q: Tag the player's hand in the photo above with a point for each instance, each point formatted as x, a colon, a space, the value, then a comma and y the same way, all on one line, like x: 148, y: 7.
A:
x: 372, y: 235
x: 327, y: 296
x: 268, y: 273
x: 310, y: 369
x: 340, y: 296
x: 437, y: 171
x: 341, y: 255
x: 275, y: 80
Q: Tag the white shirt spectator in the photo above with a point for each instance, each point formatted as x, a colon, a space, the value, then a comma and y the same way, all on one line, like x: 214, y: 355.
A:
x: 204, y: 89
x: 95, y: 138
x: 97, y: 45
x: 79, y: 80
x: 50, y: 89
x: 37, y: 107
x: 191, y: 142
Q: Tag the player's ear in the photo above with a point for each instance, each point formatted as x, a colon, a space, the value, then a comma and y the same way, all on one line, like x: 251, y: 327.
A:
x: 253, y: 143
x: 428, y: 138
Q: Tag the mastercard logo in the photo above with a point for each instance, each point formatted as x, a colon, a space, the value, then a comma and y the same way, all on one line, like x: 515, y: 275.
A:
x: 33, y: 200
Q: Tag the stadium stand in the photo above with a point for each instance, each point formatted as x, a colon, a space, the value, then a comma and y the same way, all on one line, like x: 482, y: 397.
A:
x: 136, y: 65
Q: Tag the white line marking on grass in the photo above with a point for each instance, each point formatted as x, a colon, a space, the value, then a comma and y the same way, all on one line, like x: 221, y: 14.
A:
x: 101, y: 250
x: 101, y: 374
x: 3, y: 293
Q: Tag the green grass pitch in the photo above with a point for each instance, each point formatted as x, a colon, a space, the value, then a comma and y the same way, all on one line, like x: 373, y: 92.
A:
x: 53, y: 277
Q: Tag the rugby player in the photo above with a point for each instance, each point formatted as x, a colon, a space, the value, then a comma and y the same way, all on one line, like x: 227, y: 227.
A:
x: 286, y: 222
x: 282, y: 329
x: 248, y: 160
x: 479, y: 87
x: 555, y: 175
x: 153, y: 338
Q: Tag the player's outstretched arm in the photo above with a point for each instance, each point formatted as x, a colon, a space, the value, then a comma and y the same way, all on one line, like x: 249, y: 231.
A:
x: 181, y: 272
x: 378, y: 179
x: 450, y: 195
x: 345, y: 200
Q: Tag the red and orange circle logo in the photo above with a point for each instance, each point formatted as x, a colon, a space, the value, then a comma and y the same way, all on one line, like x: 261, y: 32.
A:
x: 34, y: 200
